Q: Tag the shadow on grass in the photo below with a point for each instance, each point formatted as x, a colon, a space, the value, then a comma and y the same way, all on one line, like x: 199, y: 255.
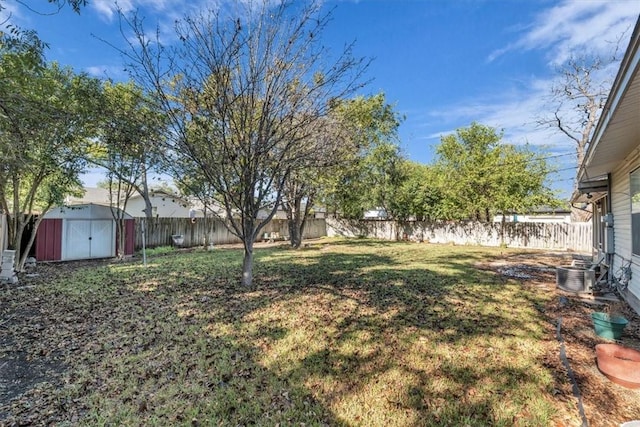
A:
x: 345, y: 333
x: 383, y: 308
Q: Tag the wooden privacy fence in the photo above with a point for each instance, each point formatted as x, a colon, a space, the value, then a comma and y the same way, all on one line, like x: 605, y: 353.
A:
x: 161, y: 230
x: 574, y: 236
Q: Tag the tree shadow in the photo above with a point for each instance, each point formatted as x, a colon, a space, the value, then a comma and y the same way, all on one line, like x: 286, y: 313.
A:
x: 322, y: 335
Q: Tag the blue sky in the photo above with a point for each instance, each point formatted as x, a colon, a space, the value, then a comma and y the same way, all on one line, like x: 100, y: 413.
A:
x: 443, y: 64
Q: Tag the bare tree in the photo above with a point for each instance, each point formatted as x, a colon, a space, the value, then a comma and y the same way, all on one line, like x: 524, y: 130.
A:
x: 242, y: 90
x: 578, y: 98
x: 580, y: 93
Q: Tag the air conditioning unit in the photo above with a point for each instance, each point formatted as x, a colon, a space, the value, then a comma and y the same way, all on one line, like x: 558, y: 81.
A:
x: 576, y: 279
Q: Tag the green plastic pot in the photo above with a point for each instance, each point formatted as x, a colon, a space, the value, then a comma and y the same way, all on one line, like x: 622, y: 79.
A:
x: 609, y: 327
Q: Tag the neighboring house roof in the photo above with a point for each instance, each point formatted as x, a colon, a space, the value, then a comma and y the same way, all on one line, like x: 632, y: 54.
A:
x: 618, y: 130
x: 160, y: 193
x: 94, y: 195
x: 542, y: 210
x: 377, y: 213
x: 212, y: 207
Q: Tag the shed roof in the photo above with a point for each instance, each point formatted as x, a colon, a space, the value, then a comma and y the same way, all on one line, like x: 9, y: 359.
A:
x: 85, y: 211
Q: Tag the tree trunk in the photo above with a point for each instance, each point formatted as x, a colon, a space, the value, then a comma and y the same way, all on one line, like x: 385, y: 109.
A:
x: 295, y: 234
x: 206, y: 226
x: 148, y: 208
x: 120, y: 225
x: 247, y: 263
x: 293, y: 220
x: 17, y: 243
x: 297, y: 218
x: 21, y: 259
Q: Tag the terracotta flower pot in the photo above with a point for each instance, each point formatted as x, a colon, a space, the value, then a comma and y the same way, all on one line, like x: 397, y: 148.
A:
x: 620, y: 364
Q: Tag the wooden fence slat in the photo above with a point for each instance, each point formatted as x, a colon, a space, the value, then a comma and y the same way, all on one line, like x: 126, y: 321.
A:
x: 161, y: 230
x: 575, y: 236
x: 555, y: 236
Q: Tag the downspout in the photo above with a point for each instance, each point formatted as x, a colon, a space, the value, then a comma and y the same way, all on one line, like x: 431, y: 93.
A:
x: 609, y: 257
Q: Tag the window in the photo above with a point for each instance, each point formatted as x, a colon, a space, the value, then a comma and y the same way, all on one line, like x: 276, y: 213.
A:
x: 634, y: 178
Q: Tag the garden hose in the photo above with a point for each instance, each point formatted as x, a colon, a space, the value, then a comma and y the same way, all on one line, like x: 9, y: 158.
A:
x: 574, y: 383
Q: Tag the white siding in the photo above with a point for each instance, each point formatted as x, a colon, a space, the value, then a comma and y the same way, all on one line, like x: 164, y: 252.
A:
x: 164, y: 206
x: 621, y: 208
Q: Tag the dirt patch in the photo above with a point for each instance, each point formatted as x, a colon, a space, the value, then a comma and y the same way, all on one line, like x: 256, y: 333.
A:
x: 605, y: 403
x: 19, y: 369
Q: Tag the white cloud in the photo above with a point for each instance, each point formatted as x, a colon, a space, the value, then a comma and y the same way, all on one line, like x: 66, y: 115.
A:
x: 576, y: 26
x: 13, y: 14
x: 9, y: 11
x: 106, y: 71
x: 108, y: 8
x: 517, y: 110
x: 573, y: 26
x: 173, y: 9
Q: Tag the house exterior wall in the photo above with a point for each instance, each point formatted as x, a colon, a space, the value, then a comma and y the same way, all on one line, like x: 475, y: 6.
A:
x: 551, y: 218
x: 621, y: 209
x: 600, y: 210
x: 164, y: 206
x: 264, y: 213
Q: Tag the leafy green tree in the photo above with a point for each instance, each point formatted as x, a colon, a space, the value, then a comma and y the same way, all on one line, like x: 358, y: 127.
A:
x: 483, y: 176
x: 47, y: 115
x: 243, y: 96
x: 127, y: 147
x: 419, y: 194
x: 522, y: 181
x: 76, y: 5
x: 466, y: 159
x: 305, y: 185
x: 370, y: 170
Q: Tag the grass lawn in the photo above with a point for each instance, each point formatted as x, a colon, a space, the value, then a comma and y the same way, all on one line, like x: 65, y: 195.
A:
x: 354, y: 333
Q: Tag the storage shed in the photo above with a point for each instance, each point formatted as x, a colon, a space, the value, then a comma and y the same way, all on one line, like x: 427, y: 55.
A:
x: 81, y: 232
